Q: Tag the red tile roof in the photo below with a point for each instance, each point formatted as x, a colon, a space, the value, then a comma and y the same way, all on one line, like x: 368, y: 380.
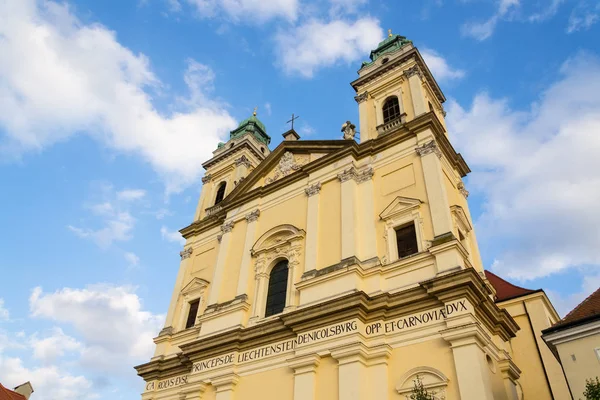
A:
x: 506, y: 290
x: 587, y: 310
x: 7, y: 394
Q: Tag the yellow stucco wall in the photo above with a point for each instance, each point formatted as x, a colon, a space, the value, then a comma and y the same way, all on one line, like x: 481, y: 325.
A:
x: 276, y: 384
x: 329, y: 251
x: 327, y: 379
x: 586, y: 364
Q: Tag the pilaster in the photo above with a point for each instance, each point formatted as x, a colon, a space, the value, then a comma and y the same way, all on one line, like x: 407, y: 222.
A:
x: 305, y: 376
x: 206, y: 188
x: 366, y: 216
x: 348, y: 209
x: 193, y: 392
x: 185, y: 260
x: 251, y: 225
x: 225, y: 385
x: 312, y: 227
x: 363, y: 114
x: 352, y: 370
x: 215, y: 285
x: 473, y: 375
x: 510, y: 375
x: 415, y: 84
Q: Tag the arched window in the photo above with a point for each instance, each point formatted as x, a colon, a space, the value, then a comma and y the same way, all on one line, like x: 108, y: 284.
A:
x: 391, y: 109
x: 277, y: 288
x: 220, y: 193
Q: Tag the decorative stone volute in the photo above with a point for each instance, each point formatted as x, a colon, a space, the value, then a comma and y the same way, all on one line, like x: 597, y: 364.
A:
x: 253, y: 216
x: 313, y: 189
x: 186, y: 253
x: 430, y: 147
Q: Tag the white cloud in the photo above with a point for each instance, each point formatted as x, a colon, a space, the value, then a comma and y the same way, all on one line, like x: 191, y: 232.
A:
x: 124, y: 336
x: 4, y: 314
x: 49, y: 348
x: 268, y: 108
x: 171, y: 236
x: 316, y: 44
x: 483, y: 30
x: 346, y: 6
x: 131, y: 194
x: 583, y: 16
x: 248, y: 11
x: 61, y: 77
x: 439, y: 66
x: 50, y: 382
x: 118, y: 228
x: 538, y: 171
x: 132, y: 259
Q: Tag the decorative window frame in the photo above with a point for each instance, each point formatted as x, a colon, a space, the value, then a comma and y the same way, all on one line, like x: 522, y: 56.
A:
x: 194, y: 290
x: 402, y: 211
x: 380, y: 99
x: 281, y: 242
x: 434, y: 380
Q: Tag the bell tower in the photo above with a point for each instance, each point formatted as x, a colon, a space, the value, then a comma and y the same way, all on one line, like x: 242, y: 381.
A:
x: 232, y: 161
x: 395, y: 87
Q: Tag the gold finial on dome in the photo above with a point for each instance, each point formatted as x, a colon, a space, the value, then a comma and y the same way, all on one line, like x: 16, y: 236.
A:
x: 390, y: 33
x: 254, y: 113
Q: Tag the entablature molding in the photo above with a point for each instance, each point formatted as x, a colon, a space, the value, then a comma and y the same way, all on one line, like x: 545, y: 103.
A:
x: 338, y: 149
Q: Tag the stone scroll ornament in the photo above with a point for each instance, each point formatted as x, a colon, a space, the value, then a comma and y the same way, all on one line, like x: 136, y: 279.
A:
x: 286, y: 166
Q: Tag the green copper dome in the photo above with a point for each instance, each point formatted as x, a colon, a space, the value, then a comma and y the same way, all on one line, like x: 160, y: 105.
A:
x: 254, y: 126
x: 391, y: 43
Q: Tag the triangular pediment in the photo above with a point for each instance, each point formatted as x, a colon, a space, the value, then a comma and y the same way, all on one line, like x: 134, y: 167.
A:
x: 196, y: 285
x: 289, y: 158
x: 398, y: 206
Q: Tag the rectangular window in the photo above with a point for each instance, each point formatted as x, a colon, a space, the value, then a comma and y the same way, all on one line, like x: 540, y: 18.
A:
x: 191, y: 319
x: 406, y: 240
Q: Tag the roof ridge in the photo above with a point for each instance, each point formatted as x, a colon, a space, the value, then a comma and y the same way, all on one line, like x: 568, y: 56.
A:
x: 578, y: 306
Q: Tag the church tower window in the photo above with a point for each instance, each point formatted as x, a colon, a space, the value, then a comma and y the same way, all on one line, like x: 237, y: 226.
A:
x: 406, y: 240
x: 220, y: 193
x: 191, y: 319
x: 276, y: 295
x: 391, y: 109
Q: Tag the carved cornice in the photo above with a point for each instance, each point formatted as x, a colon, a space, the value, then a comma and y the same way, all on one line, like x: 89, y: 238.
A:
x: 430, y: 147
x: 253, y: 216
x: 462, y: 189
x: 227, y: 227
x: 186, y: 253
x: 243, y: 160
x: 361, y: 97
x: 206, y: 178
x: 313, y: 189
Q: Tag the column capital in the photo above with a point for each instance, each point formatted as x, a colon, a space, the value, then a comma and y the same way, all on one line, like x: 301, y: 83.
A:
x: 364, y: 175
x: 304, y: 364
x: 225, y: 382
x: 347, y: 174
x: 243, y: 160
x: 361, y: 97
x: 414, y: 70
x: 429, y: 147
x: 355, y: 352
x: 186, y: 253
x: 465, y: 335
x: 227, y: 227
x: 193, y: 392
x: 206, y: 178
x: 253, y: 216
x: 313, y: 189
x: 509, y: 369
x: 462, y: 189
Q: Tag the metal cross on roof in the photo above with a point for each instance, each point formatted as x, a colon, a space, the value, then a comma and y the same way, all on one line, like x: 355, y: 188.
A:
x: 294, y: 117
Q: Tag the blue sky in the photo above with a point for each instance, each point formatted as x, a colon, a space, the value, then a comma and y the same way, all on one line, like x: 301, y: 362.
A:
x: 108, y: 108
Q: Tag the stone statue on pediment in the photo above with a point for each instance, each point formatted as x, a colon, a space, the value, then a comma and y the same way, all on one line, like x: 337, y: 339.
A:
x: 349, y: 130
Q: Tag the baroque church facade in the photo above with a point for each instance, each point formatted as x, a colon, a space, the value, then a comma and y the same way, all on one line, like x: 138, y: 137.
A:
x: 345, y: 269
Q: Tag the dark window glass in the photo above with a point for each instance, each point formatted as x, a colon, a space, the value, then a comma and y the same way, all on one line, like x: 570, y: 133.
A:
x: 406, y: 239
x: 277, y: 289
x: 220, y: 193
x: 391, y: 110
x: 191, y: 319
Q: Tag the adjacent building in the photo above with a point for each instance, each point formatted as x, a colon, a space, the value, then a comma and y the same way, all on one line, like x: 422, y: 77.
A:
x: 575, y: 340
x: 345, y: 269
x: 21, y: 392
